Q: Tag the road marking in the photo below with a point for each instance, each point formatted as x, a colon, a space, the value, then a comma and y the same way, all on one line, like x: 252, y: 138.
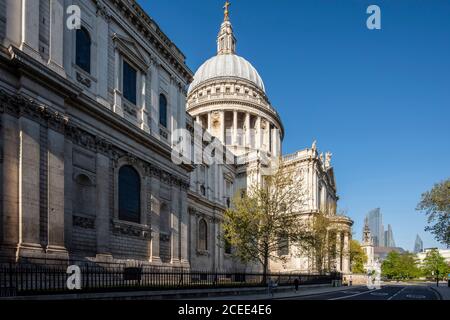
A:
x: 379, y: 294
x: 354, y: 295
x: 415, y: 296
x: 390, y: 298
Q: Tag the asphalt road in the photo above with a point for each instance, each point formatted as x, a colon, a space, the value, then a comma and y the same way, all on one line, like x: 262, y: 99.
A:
x: 388, y: 292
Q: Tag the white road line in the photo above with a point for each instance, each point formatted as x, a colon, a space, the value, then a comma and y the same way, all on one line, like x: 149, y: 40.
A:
x: 390, y: 298
x: 354, y: 295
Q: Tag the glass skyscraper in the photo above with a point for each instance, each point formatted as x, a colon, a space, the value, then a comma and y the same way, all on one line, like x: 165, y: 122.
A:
x: 375, y: 222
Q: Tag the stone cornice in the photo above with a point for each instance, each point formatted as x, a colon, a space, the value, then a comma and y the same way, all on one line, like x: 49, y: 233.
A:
x: 145, y: 25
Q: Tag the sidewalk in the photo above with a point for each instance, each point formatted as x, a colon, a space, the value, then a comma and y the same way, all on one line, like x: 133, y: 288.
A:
x: 286, y: 294
x: 256, y: 293
x: 443, y: 290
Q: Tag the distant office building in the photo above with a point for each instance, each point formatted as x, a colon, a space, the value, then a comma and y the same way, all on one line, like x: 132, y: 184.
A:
x: 389, y: 241
x: 418, y: 245
x: 375, y: 223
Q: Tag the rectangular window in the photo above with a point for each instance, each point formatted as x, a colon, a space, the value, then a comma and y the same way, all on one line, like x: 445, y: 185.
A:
x: 129, y: 82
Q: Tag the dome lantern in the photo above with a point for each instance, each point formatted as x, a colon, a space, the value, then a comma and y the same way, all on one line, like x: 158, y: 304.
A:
x: 226, y: 42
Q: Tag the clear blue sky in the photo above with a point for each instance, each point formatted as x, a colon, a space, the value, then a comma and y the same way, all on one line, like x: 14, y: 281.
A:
x: 378, y: 100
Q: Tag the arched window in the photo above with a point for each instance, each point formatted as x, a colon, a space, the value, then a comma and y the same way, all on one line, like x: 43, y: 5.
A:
x: 129, y: 194
x: 163, y: 110
x: 83, y: 50
x: 202, y: 235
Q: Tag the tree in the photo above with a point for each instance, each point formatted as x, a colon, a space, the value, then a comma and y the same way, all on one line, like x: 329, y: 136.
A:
x: 400, y: 266
x: 358, y: 257
x: 436, y: 205
x: 319, y: 241
x: 435, y: 265
x: 265, y: 220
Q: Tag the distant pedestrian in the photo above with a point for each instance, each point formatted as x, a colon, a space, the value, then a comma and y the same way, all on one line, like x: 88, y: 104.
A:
x: 296, y: 283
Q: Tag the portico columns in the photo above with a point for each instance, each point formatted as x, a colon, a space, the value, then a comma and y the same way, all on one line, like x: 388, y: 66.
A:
x: 338, y: 251
x: 346, y: 254
x: 258, y: 133
x: 235, y: 128
x: 247, y: 129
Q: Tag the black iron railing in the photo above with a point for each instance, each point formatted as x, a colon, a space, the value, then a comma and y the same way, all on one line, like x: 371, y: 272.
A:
x: 33, y: 278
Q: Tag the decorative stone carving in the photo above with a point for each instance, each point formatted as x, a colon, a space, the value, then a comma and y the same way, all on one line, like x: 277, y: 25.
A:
x: 83, y: 80
x: 328, y: 156
x: 102, y: 10
x: 126, y: 229
x: 84, y: 222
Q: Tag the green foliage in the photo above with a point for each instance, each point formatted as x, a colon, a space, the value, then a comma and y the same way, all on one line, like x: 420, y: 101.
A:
x: 436, y: 205
x: 320, y: 241
x: 358, y: 257
x: 400, y: 266
x: 265, y: 220
x: 435, y: 265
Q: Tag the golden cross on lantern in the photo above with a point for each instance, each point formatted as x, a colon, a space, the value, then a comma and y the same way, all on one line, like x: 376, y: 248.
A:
x: 227, y: 11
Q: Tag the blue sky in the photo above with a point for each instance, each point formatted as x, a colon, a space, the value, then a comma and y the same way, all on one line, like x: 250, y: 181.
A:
x: 379, y: 100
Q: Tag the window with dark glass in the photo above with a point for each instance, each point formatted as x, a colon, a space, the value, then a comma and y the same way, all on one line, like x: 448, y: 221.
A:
x: 83, y: 50
x: 129, y: 194
x: 202, y: 235
x: 163, y: 110
x: 129, y: 82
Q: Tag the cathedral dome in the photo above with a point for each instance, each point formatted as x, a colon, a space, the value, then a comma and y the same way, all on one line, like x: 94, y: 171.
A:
x: 227, y: 66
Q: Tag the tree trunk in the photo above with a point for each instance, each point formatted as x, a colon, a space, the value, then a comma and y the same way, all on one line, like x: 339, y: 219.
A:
x: 265, y: 267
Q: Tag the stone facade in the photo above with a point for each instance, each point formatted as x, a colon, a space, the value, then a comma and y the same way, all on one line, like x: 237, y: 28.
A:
x: 70, y: 128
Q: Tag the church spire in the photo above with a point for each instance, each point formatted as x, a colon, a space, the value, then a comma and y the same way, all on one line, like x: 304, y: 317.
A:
x: 226, y: 42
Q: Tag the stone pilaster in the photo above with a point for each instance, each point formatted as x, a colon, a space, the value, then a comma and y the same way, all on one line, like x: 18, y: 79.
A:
x: 68, y: 193
x: 117, y: 108
x: 102, y: 62
x: 144, y: 114
x: 103, y: 207
x: 56, y: 36
x: 154, y: 125
x: 175, y: 224
x: 184, y: 230
x: 155, y: 219
x: 56, y: 244
x: 30, y: 28
x: 29, y: 194
x: 9, y: 133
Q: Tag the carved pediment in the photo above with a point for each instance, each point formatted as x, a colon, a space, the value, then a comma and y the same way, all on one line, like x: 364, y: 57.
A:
x: 131, y: 50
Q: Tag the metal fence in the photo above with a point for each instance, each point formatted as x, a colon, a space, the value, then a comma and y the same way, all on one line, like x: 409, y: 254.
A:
x: 32, y: 279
